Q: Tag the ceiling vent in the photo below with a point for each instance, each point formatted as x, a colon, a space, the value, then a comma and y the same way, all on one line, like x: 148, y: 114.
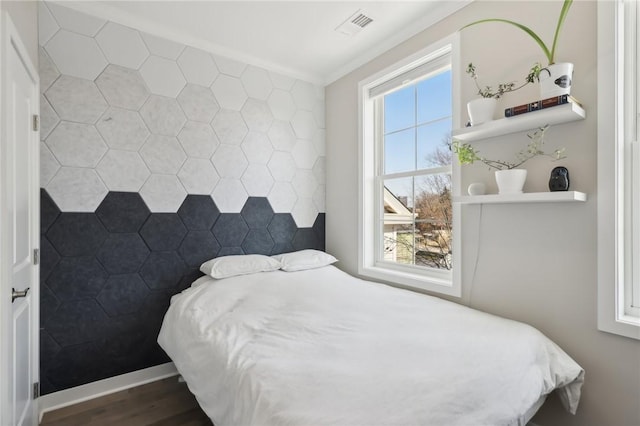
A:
x: 354, y: 24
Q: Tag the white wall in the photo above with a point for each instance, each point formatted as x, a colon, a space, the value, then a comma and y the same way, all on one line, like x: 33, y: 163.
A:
x: 537, y: 263
x: 24, y: 15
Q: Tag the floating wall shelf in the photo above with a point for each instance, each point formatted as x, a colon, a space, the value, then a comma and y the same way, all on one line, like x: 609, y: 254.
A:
x: 529, y: 197
x: 523, y: 122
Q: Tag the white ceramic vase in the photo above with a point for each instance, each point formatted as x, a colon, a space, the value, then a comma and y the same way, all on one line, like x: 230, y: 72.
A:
x: 477, y: 188
x: 556, y: 79
x: 481, y: 110
x: 511, y: 181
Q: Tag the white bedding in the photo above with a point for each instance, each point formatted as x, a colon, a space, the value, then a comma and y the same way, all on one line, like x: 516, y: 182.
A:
x: 319, y: 347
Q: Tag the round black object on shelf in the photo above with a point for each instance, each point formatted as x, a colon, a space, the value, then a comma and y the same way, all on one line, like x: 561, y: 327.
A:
x: 559, y: 179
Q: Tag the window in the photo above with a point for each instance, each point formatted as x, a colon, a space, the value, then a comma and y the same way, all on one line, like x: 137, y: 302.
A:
x: 631, y: 140
x: 408, y: 221
x: 618, y: 168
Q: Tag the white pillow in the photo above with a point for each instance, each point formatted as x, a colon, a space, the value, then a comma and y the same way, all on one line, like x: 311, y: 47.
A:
x: 304, y: 259
x: 229, y: 266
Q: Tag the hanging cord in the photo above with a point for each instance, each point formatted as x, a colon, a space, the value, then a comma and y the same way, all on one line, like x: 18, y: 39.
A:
x: 477, y: 258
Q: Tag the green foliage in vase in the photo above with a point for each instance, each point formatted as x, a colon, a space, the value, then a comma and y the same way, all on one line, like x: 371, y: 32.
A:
x: 467, y: 154
x: 490, y: 92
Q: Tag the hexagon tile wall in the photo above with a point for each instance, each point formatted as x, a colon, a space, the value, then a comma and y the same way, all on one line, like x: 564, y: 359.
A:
x: 156, y: 156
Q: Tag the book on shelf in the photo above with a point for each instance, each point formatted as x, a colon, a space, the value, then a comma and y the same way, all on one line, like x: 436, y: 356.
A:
x: 541, y: 104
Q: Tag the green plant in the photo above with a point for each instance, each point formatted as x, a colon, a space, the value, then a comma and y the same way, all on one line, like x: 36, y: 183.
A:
x: 489, y: 92
x: 549, y: 53
x: 467, y: 154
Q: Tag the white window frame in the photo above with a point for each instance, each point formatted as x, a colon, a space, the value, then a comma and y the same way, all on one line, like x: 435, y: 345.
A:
x: 408, y: 276
x: 617, y: 130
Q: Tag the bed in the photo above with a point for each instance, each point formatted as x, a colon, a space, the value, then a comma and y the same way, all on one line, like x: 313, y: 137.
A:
x: 320, y: 347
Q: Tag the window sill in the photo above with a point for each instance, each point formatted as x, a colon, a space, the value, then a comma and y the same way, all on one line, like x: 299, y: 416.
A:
x: 628, y: 326
x: 411, y: 280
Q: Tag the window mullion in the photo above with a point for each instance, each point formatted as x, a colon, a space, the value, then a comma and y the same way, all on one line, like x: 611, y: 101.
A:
x: 421, y: 172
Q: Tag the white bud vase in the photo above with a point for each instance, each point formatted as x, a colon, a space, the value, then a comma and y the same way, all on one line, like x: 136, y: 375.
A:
x: 477, y: 188
x: 481, y: 110
x: 556, y: 79
x: 511, y: 181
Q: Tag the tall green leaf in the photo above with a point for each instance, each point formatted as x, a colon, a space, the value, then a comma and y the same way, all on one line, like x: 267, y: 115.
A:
x: 524, y: 28
x: 561, y: 18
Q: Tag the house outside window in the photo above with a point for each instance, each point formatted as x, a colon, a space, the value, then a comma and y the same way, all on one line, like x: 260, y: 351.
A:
x: 618, y: 168
x: 408, y: 220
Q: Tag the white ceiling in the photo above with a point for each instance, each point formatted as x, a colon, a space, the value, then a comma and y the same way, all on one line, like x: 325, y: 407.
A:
x: 297, y: 38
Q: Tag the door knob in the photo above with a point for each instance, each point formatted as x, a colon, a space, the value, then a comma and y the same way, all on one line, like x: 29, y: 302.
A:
x: 16, y: 294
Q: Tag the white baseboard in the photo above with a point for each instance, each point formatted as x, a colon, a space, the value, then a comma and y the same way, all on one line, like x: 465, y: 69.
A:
x: 82, y: 393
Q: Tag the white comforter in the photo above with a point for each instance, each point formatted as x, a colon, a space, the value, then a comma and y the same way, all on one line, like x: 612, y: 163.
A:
x: 320, y: 347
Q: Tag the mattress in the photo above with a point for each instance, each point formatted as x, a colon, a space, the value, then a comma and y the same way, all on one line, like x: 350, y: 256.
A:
x: 320, y: 347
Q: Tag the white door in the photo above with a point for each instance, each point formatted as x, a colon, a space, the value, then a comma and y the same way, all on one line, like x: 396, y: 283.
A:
x: 19, y: 231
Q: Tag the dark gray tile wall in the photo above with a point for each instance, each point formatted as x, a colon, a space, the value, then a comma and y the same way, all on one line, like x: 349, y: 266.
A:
x: 107, y: 277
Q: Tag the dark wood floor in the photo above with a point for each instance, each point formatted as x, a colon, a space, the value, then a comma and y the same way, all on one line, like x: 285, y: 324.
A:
x: 163, y: 403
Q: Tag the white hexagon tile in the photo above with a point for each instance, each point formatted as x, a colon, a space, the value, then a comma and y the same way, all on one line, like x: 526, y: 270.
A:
x: 197, y: 66
x: 282, y: 197
x: 257, y: 148
x: 304, y: 154
x: 122, y: 45
x: 229, y: 66
x: 198, y: 103
x: 282, y: 166
x: 319, y: 198
x: 318, y: 114
x: 47, y: 70
x: 304, y: 125
x: 76, y: 189
x: 229, y: 92
x: 76, y: 55
x: 47, y: 25
x: 257, y: 180
x: 163, y: 154
x: 256, y: 83
x: 304, y: 183
x: 304, y: 212
x: 163, y: 193
x: 281, y: 135
x: 319, y: 142
x: 229, y: 161
x: 124, y: 110
x: 49, y: 166
x: 122, y: 87
x: 75, y: 21
x: 198, y: 139
x: 304, y: 95
x: 163, y: 77
x: 229, y: 126
x: 123, y: 171
x: 198, y: 176
x: 282, y: 105
x: 257, y: 115
x: 163, y: 115
x: 162, y: 47
x: 319, y: 170
x: 76, y: 99
x: 122, y: 129
x: 48, y: 118
x: 281, y: 81
x: 229, y: 195
x: 76, y: 144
